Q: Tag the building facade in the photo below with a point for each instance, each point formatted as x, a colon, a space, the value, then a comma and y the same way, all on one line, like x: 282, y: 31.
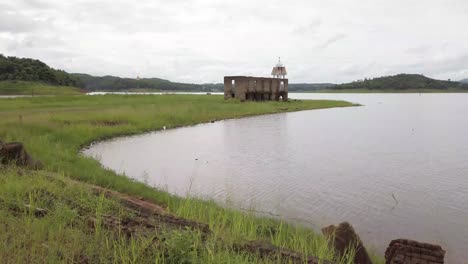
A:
x: 258, y: 88
x: 246, y: 88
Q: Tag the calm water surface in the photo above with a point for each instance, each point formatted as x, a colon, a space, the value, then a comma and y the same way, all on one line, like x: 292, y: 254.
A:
x: 394, y: 168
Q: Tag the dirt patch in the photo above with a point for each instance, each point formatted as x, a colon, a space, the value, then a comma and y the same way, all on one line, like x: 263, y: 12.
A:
x: 110, y: 123
x: 103, y: 123
x: 18, y: 209
x: 281, y: 255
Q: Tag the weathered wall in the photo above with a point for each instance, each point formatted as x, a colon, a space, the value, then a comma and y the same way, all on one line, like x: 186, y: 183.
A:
x: 255, y: 88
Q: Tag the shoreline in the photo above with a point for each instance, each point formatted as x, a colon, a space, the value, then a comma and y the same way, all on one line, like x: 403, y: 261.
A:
x: 69, y: 123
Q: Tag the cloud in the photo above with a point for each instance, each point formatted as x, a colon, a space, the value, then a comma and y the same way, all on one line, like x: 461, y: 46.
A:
x: 308, y: 28
x: 329, y: 41
x: 16, y: 23
x: 202, y: 40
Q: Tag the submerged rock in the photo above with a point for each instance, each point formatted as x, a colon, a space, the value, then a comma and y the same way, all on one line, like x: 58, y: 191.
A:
x: 344, y: 238
x: 15, y: 153
x: 404, y: 251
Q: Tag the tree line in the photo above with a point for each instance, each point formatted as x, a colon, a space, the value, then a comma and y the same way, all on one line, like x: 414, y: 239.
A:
x: 113, y: 83
x: 23, y: 69
x: 401, y: 82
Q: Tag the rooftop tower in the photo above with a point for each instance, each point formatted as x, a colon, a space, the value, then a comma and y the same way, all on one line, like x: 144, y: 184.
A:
x: 279, y: 71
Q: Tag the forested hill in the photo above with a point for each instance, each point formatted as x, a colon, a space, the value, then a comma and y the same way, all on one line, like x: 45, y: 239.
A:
x: 112, y: 83
x: 31, y: 70
x: 22, y: 69
x: 308, y: 87
x: 402, y: 82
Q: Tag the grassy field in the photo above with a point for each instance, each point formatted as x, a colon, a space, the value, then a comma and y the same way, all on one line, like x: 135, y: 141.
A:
x: 54, y: 129
x: 35, y: 88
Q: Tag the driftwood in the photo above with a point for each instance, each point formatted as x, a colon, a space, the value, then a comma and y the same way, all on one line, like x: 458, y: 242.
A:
x: 403, y: 251
x: 139, y: 205
x: 15, y: 153
x: 149, y: 215
x: 281, y: 255
x: 343, y: 238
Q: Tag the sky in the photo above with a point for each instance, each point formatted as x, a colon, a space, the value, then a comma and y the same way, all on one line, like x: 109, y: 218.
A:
x: 200, y: 41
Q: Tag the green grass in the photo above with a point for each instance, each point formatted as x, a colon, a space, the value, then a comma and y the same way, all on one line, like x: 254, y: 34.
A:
x: 35, y: 88
x: 54, y: 129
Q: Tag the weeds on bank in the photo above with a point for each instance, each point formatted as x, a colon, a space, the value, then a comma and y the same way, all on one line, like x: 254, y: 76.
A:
x: 55, y: 129
x: 64, y: 235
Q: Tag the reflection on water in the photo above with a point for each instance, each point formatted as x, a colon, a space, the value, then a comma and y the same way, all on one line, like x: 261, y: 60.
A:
x: 396, y: 167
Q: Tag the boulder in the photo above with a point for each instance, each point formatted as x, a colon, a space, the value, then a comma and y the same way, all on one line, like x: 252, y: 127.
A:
x: 15, y: 153
x: 342, y: 238
x: 404, y: 251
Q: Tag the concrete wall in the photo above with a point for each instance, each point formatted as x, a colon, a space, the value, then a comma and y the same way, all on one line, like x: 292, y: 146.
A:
x: 255, y: 88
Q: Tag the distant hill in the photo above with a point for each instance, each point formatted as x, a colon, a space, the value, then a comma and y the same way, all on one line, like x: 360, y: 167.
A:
x: 13, y: 69
x: 402, y: 82
x: 30, y: 70
x: 308, y: 87
x: 113, y: 83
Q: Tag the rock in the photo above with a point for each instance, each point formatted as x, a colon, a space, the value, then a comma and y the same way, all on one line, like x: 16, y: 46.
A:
x: 281, y: 255
x: 15, y: 153
x: 404, y: 251
x: 344, y: 237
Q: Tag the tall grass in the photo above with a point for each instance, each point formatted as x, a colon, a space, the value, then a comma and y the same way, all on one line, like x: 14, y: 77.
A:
x: 55, y: 129
x: 35, y: 88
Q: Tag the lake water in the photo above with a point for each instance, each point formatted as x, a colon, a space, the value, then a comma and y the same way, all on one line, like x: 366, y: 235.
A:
x: 396, y: 167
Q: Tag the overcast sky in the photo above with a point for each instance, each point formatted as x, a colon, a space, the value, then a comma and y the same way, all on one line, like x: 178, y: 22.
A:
x: 202, y: 40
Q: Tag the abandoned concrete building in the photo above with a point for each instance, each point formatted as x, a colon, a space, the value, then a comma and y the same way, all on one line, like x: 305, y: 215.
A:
x: 258, y: 88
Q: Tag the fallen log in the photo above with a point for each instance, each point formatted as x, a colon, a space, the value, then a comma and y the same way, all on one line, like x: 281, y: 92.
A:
x: 153, y: 212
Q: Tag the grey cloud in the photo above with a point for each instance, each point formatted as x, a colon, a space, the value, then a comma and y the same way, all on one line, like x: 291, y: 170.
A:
x: 202, y: 40
x: 16, y: 23
x: 37, y: 4
x: 331, y: 40
x: 311, y: 27
x: 439, y: 67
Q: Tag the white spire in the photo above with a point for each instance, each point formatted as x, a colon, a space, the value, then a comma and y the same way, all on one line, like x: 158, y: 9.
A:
x: 279, y: 71
x: 279, y: 64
